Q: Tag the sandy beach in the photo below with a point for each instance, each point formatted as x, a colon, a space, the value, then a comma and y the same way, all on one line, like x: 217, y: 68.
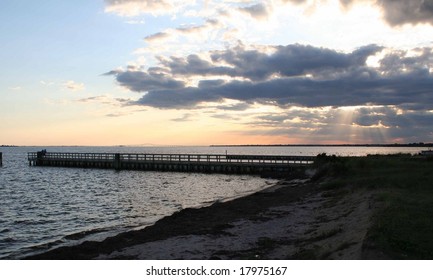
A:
x: 294, y: 219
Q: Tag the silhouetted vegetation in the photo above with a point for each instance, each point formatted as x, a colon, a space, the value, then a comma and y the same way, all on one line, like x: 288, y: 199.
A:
x: 402, y: 184
x: 330, y: 166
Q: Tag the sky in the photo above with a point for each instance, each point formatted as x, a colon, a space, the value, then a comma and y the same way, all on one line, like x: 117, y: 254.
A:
x: 191, y: 72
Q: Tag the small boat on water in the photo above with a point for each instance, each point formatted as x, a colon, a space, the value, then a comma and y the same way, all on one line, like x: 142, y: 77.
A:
x: 427, y: 153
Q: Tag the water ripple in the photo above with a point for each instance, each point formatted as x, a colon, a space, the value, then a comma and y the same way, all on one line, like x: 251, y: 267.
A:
x: 47, y: 207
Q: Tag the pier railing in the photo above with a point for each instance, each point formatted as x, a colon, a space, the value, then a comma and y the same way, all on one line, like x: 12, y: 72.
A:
x: 259, y: 159
x: 172, y: 162
x: 70, y: 156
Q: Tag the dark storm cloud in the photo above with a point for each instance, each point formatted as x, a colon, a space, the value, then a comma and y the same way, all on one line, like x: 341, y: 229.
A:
x: 291, y: 60
x: 180, y: 98
x: 398, y: 12
x: 397, y: 61
x: 142, y: 81
x: 347, y: 91
x: 334, y: 78
x: 194, y: 65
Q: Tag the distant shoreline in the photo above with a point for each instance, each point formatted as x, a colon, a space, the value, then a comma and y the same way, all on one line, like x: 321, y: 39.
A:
x: 415, y: 145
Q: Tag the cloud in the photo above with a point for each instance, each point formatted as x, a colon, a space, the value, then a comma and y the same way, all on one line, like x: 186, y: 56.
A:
x: 257, y: 11
x: 365, y: 124
x: 92, y: 99
x: 396, y: 123
x: 393, y: 95
x: 181, y: 98
x: 142, y: 81
x: 105, y: 100
x: 289, y: 61
x: 195, y: 65
x: 116, y: 115
x: 209, y: 24
x: 255, y: 65
x: 291, y: 75
x: 157, y: 37
x: 185, y: 118
x: 399, y: 12
x: 395, y: 12
x: 131, y: 8
x: 234, y: 107
x: 200, y: 31
x: 73, y: 86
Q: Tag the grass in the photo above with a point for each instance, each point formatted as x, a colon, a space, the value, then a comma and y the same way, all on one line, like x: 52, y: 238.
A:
x: 403, y: 184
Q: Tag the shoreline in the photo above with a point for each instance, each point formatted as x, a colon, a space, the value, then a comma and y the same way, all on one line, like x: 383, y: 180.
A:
x: 373, y: 207
x: 292, y: 219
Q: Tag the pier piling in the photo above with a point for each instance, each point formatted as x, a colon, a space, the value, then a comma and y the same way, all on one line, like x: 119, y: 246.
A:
x: 1, y: 159
x: 117, y: 164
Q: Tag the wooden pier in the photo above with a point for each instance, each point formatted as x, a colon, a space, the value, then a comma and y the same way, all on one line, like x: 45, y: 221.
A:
x: 234, y: 164
x: 1, y: 159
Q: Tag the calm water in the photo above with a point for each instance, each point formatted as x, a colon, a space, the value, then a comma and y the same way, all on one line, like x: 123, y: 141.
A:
x: 42, y: 208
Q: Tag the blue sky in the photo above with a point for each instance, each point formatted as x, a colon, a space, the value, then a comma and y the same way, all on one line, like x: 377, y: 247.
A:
x: 215, y: 72
x: 53, y: 39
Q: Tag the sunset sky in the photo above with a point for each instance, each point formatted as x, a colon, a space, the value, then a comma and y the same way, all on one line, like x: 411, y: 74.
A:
x: 190, y: 72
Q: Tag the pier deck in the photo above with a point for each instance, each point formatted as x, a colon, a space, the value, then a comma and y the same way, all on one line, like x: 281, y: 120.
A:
x: 209, y: 163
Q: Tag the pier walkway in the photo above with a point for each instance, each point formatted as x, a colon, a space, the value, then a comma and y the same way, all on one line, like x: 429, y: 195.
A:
x: 209, y: 163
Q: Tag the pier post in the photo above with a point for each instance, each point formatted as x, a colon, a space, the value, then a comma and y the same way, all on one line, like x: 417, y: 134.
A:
x: 39, y: 158
x: 1, y: 159
x: 117, y: 164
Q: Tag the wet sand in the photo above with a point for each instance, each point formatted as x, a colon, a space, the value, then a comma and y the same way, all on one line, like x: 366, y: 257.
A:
x: 295, y: 219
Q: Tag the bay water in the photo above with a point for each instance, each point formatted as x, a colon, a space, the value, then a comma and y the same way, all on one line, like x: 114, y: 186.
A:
x: 45, y: 207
